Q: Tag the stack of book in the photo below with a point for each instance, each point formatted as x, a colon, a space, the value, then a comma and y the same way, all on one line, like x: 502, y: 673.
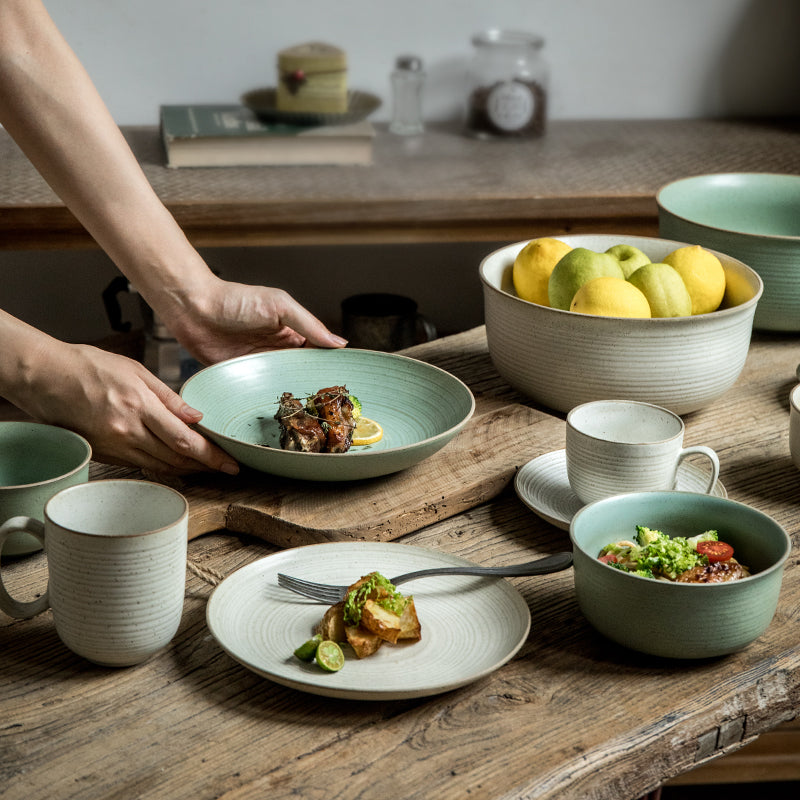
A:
x: 234, y: 136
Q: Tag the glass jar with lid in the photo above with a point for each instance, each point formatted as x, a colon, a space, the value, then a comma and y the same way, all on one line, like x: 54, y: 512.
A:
x: 508, y: 82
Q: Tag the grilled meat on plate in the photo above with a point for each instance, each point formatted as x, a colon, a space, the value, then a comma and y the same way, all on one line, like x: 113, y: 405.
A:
x: 300, y: 431
x: 334, y: 410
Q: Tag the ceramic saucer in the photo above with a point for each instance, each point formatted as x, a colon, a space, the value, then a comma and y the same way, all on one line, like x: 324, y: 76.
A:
x: 543, y: 486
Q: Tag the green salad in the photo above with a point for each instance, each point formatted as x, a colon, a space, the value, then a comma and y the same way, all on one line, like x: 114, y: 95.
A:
x: 654, y: 554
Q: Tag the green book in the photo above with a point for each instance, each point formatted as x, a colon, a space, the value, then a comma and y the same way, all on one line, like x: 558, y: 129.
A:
x: 234, y: 136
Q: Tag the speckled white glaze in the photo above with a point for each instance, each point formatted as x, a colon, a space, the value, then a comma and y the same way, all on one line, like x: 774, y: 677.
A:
x: 561, y: 359
x: 794, y: 425
x: 116, y: 553
x: 619, y: 446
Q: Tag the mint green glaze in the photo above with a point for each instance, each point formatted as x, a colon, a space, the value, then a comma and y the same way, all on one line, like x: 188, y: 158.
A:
x: 420, y: 407
x: 672, y: 619
x: 754, y: 217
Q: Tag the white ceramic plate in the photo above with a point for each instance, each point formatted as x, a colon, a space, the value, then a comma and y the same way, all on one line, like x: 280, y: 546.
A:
x: 420, y: 407
x: 470, y: 626
x: 543, y: 486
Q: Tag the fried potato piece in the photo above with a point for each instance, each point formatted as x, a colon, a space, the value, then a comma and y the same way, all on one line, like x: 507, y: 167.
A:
x: 364, y: 642
x: 381, y: 622
x: 331, y: 626
x: 410, y: 628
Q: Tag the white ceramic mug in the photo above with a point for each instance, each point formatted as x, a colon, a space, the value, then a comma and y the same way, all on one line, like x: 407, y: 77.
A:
x: 116, y: 558
x: 620, y: 446
x: 794, y: 423
x: 36, y: 461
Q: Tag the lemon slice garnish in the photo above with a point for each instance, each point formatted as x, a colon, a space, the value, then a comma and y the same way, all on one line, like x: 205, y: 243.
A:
x: 367, y: 431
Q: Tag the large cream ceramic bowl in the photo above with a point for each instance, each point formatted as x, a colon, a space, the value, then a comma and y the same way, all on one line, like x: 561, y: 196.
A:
x: 678, y: 620
x: 752, y: 216
x: 420, y: 407
x: 561, y: 359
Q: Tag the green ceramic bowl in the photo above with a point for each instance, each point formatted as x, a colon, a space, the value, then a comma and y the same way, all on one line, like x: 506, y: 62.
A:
x: 678, y: 620
x: 420, y: 407
x: 754, y: 217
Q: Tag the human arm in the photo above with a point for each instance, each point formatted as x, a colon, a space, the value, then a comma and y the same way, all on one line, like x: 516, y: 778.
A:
x: 50, y: 107
x: 126, y: 413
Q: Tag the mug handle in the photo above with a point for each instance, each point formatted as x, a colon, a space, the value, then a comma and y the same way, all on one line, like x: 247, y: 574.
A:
x: 15, y: 608
x: 426, y: 330
x: 711, y: 456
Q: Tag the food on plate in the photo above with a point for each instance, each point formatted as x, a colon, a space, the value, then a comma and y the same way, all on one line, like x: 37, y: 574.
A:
x: 367, y: 432
x: 372, y: 614
x: 689, y: 280
x: 325, y: 424
x: 696, y: 559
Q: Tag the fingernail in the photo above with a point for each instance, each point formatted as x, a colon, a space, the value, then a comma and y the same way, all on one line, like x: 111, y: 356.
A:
x: 338, y: 339
x: 230, y: 468
x: 192, y: 412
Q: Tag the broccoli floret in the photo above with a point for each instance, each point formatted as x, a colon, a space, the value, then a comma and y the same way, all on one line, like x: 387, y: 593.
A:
x: 356, y: 406
x: 669, y: 557
x: 708, y: 536
x: 646, y: 535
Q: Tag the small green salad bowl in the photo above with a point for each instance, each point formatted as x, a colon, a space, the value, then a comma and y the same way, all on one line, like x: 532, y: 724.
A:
x: 678, y: 620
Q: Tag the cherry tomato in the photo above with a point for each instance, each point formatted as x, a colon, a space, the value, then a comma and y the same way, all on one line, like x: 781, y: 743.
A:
x: 716, y: 551
x: 610, y: 557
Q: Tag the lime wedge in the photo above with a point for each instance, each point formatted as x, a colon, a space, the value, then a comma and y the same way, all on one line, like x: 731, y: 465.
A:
x: 329, y: 656
x: 308, y: 650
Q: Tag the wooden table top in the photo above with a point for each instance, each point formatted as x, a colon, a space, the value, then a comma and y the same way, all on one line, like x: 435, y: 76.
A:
x: 582, y: 176
x: 570, y: 716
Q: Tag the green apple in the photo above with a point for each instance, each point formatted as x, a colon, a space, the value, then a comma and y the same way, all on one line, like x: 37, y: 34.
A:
x: 630, y: 258
x: 577, y: 267
x: 664, y: 289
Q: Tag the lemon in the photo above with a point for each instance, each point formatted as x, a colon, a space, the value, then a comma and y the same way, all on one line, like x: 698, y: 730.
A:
x: 532, y: 268
x: 610, y: 297
x: 308, y: 649
x: 579, y: 266
x: 703, y: 275
x: 367, y: 431
x: 737, y: 290
x: 664, y: 289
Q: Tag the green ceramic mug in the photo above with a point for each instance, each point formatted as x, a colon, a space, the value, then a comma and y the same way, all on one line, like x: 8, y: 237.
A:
x: 36, y: 461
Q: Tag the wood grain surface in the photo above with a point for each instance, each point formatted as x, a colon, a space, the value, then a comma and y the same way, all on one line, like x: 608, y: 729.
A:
x: 571, y: 717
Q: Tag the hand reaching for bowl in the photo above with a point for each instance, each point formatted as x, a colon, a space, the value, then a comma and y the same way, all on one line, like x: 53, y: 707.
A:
x: 128, y: 416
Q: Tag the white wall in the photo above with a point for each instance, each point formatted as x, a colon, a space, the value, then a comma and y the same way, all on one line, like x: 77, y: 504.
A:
x: 615, y: 59
x: 609, y: 58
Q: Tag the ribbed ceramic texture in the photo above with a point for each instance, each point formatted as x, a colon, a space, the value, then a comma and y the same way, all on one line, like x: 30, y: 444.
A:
x: 678, y: 620
x: 560, y: 358
x: 116, y: 587
x: 615, y: 447
x: 420, y: 407
x: 754, y: 217
x: 470, y: 626
x: 36, y: 461
x: 794, y: 425
x: 543, y: 486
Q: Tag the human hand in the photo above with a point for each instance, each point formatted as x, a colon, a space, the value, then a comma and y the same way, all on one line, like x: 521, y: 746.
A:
x: 222, y: 319
x: 128, y: 416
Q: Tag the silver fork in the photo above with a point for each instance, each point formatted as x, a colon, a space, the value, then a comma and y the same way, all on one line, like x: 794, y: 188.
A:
x: 328, y: 593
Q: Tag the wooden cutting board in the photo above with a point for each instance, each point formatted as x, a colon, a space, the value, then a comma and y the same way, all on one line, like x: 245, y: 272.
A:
x: 476, y: 466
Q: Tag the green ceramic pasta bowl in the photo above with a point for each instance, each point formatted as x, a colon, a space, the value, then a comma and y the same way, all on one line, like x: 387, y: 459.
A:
x: 678, y: 620
x: 751, y: 216
x: 420, y: 408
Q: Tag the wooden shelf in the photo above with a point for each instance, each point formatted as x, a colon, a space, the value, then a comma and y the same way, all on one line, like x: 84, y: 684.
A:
x: 598, y: 176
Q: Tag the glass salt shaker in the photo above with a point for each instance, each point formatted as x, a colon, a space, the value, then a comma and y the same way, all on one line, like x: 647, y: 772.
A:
x: 508, y: 85
x: 407, y: 82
